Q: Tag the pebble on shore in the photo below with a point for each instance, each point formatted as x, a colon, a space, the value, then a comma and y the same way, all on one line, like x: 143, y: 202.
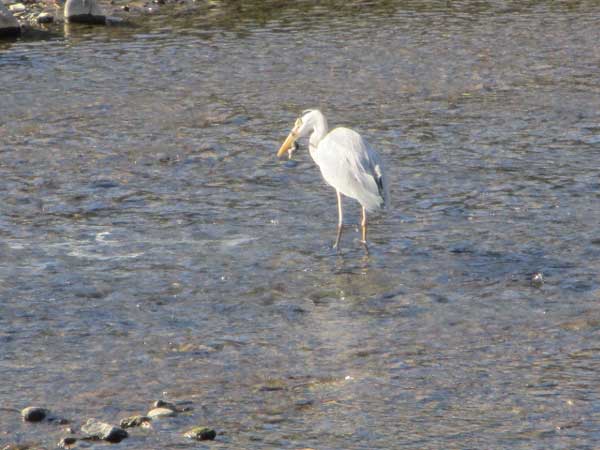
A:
x: 201, y: 433
x: 45, y: 17
x: 96, y: 430
x: 134, y: 421
x: 66, y: 442
x: 171, y: 406
x: 34, y: 414
x: 163, y: 404
x: 157, y: 413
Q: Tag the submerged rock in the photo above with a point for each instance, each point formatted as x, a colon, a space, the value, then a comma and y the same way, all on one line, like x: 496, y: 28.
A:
x: 201, y: 434
x: 157, y: 413
x: 163, y: 404
x: 8, y: 24
x: 84, y: 11
x: 58, y: 420
x: 45, y: 17
x: 134, y: 421
x: 34, y: 414
x: 94, y: 429
x: 537, y: 279
x: 66, y: 442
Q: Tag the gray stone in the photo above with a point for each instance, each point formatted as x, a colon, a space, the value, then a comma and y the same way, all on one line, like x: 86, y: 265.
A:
x: 17, y: 7
x: 94, y: 429
x: 157, y: 413
x: 201, y: 434
x: 134, y: 421
x: 84, y: 11
x: 66, y: 442
x: 34, y: 414
x: 8, y: 24
x: 163, y: 404
x: 45, y: 17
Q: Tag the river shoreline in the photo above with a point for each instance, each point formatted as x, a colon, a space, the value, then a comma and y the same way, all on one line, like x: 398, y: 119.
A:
x: 44, y: 18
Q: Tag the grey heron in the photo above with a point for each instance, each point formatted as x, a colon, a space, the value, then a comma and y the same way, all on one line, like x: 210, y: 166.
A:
x: 347, y: 163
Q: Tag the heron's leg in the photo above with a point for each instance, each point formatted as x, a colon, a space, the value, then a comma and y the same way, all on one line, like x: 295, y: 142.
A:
x: 363, y: 226
x: 340, y: 219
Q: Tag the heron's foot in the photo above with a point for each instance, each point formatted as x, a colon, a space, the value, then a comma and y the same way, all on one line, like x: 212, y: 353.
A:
x: 365, y: 245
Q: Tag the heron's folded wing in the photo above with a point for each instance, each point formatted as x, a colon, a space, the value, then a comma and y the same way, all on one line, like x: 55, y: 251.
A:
x: 348, y: 163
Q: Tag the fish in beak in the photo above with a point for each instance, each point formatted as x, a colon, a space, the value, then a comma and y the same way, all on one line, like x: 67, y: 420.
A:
x: 290, y: 141
x: 288, y: 144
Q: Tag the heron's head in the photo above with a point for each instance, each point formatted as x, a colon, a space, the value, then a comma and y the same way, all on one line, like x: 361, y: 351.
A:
x: 302, y: 127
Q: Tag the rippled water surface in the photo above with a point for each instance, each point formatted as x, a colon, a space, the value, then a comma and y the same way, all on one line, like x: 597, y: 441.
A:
x: 151, y: 245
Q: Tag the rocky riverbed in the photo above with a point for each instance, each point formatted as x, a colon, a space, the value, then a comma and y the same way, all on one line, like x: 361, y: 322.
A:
x: 79, y: 432
x: 38, y: 17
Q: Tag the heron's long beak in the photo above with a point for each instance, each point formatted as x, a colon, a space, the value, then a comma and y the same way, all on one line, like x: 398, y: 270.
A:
x: 289, y: 141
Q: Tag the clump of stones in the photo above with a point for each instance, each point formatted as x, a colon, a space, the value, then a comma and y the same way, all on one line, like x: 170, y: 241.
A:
x: 97, y: 430
x: 20, y: 16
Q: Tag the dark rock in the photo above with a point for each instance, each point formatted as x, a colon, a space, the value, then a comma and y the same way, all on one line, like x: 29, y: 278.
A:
x: 201, y: 434
x: 45, y: 17
x: 88, y: 19
x: 34, y: 414
x: 9, y: 26
x: 163, y: 404
x: 134, y: 421
x: 94, y: 429
x: 66, y: 442
x: 105, y: 184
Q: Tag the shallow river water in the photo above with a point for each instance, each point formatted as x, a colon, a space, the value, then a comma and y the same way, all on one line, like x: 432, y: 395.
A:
x: 151, y: 245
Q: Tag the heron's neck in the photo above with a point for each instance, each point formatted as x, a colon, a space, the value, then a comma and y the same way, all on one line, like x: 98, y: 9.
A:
x: 320, y: 129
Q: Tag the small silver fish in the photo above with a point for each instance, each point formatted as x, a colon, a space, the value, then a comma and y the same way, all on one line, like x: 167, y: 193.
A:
x: 292, y: 149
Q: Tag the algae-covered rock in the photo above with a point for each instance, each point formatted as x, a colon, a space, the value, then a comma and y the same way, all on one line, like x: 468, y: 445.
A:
x: 134, y: 421
x: 201, y: 434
